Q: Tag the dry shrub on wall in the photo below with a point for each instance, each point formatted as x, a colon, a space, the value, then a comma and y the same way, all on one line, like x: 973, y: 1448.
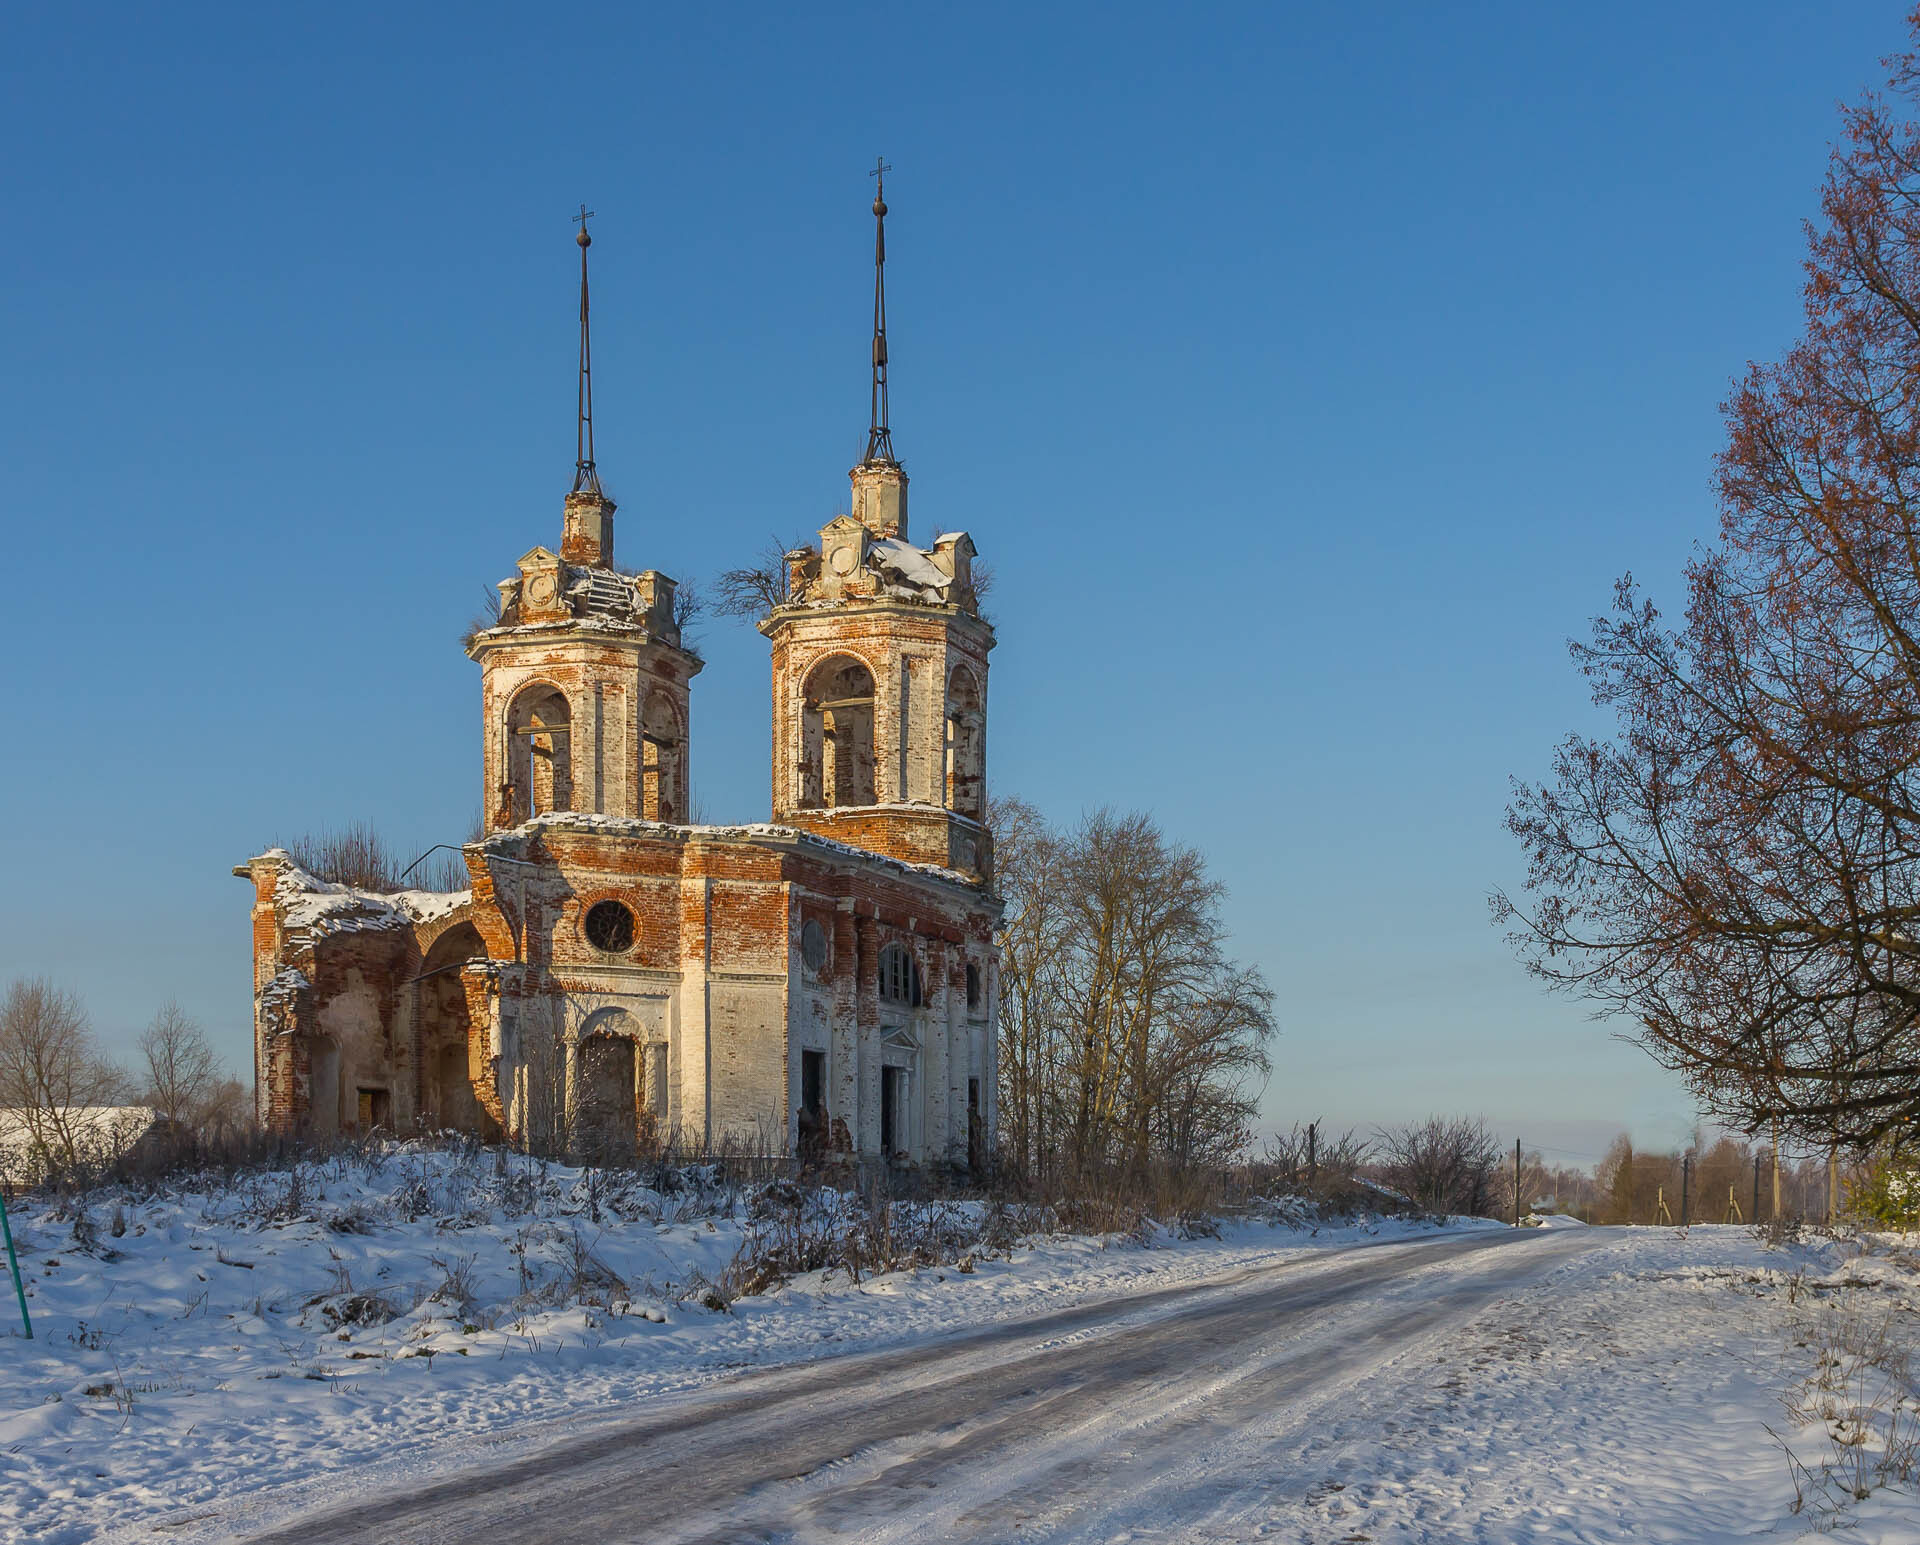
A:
x: 354, y: 854
x: 357, y: 855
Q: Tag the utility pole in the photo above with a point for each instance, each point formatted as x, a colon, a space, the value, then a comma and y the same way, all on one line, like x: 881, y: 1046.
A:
x: 1686, y: 1174
x: 1516, y: 1182
x: 1776, y: 1171
x: 1313, y: 1158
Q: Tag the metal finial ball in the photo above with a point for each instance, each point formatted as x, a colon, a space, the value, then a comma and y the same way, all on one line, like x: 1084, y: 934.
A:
x: 583, y: 238
x: 879, y: 207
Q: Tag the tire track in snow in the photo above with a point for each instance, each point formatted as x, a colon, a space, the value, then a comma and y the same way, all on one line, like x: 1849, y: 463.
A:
x: 1034, y: 1428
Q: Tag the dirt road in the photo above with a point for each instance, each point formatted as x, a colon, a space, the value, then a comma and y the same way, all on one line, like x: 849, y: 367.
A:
x: 1179, y: 1415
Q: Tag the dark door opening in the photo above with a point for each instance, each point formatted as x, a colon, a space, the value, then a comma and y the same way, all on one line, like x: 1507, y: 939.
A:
x: 376, y: 1109
x: 813, y: 1105
x: 976, y: 1130
x: 813, y: 1080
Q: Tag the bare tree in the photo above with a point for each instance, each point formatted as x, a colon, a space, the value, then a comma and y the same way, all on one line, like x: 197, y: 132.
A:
x: 757, y: 588
x: 182, y: 1071
x: 226, y: 1112
x: 1445, y: 1165
x: 1736, y: 871
x: 1127, y: 1035
x: 1027, y: 861
x: 51, y: 1075
x: 487, y: 617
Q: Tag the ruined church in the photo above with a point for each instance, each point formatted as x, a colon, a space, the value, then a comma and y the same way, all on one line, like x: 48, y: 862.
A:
x: 616, y: 977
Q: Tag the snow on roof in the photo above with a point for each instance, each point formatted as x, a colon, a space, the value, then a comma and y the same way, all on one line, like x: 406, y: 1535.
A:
x: 100, y: 1133
x: 631, y: 826
x: 320, y: 907
x: 909, y: 569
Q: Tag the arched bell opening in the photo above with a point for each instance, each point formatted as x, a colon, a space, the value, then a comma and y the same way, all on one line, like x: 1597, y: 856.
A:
x: 836, y: 753
x: 663, y: 760
x: 966, y: 745
x: 539, y: 752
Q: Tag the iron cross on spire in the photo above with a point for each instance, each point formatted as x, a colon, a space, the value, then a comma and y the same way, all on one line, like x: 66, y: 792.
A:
x: 879, y: 435
x: 585, y: 478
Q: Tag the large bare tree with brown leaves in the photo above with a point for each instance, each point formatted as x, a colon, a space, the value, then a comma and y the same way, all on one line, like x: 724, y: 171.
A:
x: 1737, y: 867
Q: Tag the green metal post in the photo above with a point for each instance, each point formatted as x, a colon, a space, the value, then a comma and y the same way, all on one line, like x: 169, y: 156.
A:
x: 13, y: 1264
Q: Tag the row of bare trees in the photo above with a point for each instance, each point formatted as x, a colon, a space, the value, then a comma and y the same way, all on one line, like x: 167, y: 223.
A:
x: 55, y: 1081
x: 1735, y: 870
x: 1128, y: 1036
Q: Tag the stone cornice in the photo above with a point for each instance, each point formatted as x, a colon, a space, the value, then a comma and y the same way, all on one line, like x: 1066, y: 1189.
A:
x: 780, y: 839
x: 829, y: 611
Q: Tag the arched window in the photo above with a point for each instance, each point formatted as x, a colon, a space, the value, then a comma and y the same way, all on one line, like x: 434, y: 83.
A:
x: 836, y: 751
x: 662, y: 761
x: 899, y: 977
x: 539, y: 752
x: 973, y: 987
x: 966, y: 744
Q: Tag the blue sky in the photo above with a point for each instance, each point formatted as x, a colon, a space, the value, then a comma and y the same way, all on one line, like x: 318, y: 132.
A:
x: 1307, y: 373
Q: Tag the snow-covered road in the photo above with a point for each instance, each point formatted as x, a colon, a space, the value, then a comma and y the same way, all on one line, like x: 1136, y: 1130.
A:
x: 1190, y: 1414
x: 428, y: 1344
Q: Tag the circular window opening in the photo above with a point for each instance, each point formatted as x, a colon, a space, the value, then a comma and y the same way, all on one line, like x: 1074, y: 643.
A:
x: 610, y: 926
x: 813, y: 947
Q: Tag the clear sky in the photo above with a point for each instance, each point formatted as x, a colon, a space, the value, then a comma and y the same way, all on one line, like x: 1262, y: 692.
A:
x: 1307, y: 373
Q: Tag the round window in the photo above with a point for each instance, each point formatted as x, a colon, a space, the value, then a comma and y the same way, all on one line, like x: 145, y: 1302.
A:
x: 610, y: 927
x: 813, y: 947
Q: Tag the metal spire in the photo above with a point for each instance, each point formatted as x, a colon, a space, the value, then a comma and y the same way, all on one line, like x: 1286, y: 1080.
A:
x: 879, y: 436
x: 585, y: 478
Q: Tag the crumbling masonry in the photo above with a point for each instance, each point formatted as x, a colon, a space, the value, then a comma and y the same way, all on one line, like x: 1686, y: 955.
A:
x: 616, y: 977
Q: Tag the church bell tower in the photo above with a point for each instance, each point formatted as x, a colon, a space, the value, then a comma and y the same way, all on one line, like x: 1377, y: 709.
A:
x: 880, y: 664
x: 585, y: 681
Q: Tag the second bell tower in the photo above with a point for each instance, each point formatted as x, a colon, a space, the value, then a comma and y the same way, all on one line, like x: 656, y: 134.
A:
x: 880, y: 666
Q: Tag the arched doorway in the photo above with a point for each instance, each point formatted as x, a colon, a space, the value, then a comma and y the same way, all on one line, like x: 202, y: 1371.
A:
x: 606, y: 1088
x: 445, y: 1021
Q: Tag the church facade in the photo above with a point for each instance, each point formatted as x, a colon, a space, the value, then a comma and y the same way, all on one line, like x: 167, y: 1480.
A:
x: 615, y: 977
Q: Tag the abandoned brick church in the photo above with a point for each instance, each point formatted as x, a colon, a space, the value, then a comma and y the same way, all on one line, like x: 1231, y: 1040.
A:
x: 615, y: 977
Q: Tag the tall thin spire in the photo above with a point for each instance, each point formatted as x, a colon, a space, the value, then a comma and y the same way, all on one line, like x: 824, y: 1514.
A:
x: 879, y: 436
x: 585, y: 478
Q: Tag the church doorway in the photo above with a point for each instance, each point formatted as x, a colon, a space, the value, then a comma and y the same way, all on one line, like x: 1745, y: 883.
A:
x: 893, y: 1111
x: 605, y: 1118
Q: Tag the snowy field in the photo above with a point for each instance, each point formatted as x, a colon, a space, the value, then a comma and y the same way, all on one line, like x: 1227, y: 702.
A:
x: 207, y: 1365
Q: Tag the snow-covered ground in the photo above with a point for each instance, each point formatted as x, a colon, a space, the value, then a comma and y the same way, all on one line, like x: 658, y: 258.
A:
x: 301, y: 1324
x: 232, y: 1355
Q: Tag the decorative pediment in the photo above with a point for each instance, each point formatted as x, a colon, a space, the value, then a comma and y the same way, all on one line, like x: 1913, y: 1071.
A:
x: 542, y: 594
